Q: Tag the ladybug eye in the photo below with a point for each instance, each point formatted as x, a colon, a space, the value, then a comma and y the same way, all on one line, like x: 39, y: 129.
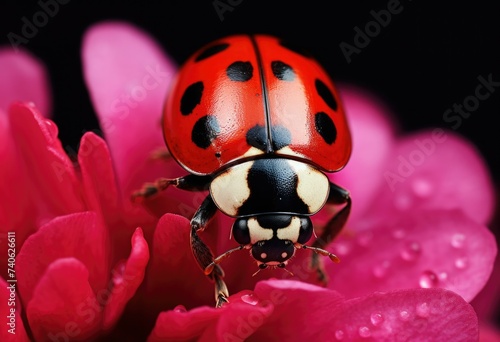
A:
x: 282, y: 265
x: 263, y: 266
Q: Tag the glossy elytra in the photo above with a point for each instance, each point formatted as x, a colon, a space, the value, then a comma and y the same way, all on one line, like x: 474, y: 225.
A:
x: 257, y: 123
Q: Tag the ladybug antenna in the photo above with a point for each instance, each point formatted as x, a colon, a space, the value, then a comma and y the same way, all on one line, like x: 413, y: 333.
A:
x: 321, y: 251
x: 221, y: 257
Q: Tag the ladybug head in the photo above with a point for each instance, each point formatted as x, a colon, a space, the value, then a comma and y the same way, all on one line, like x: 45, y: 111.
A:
x: 272, y: 237
x: 274, y: 252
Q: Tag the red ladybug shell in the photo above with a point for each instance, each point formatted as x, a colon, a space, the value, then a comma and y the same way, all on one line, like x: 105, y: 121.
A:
x: 245, y: 96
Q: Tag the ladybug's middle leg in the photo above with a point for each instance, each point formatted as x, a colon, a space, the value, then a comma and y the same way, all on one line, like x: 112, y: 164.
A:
x: 202, y: 252
x: 333, y: 227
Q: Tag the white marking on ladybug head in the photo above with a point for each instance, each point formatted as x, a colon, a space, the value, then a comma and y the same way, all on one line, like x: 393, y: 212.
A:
x: 312, y: 187
x: 230, y: 189
x: 290, y: 232
x: 258, y: 233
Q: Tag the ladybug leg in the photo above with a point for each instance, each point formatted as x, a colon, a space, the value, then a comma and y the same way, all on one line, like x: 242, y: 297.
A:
x: 337, y: 195
x: 202, y: 252
x: 189, y: 182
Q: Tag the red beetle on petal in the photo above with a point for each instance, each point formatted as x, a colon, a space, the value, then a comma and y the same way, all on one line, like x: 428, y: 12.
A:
x: 257, y: 123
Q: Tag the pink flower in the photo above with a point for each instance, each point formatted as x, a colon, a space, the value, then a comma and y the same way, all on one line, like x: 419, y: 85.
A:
x: 90, y: 265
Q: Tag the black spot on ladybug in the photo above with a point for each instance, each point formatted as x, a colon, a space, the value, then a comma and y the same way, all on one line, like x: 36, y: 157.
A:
x: 210, y: 51
x: 240, y: 71
x: 191, y: 98
x: 257, y: 137
x: 326, y: 94
x: 295, y: 48
x: 218, y: 154
x: 325, y: 127
x: 282, y: 71
x: 205, y: 130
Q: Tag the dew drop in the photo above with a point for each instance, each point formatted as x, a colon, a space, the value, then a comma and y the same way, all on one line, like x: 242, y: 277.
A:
x: 117, y: 273
x: 457, y: 240
x: 410, y: 251
x: 250, y: 298
x: 52, y: 127
x: 461, y: 263
x: 364, y: 332
x: 428, y: 279
x: 398, y: 234
x: 339, y: 335
x: 402, y: 202
x: 180, y: 308
x: 423, y: 310
x: 380, y: 271
x: 404, y: 315
x: 376, y: 319
x: 421, y: 187
x: 443, y: 275
x: 365, y: 238
x: 342, y: 248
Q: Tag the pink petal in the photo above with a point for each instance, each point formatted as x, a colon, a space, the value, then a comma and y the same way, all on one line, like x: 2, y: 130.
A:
x: 127, y: 280
x: 173, y: 277
x: 99, y: 181
x: 404, y: 315
x: 233, y: 322
x: 300, y: 310
x: 182, y: 325
x: 103, y: 196
x: 436, y: 169
x: 79, y: 235
x: 23, y: 79
x: 51, y: 173
x: 489, y: 333
x: 128, y: 75
x: 373, y: 136
x: 427, y: 249
x: 10, y: 311
x: 305, y: 312
x: 64, y: 306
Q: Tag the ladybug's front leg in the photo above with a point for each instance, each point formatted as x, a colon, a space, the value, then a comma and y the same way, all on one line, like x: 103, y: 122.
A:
x: 189, y: 182
x: 202, y: 253
x: 337, y: 195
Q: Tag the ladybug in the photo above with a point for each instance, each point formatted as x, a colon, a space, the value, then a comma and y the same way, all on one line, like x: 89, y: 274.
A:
x: 257, y: 123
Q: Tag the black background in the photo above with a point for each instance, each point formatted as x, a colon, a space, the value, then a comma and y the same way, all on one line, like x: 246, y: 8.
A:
x: 427, y: 58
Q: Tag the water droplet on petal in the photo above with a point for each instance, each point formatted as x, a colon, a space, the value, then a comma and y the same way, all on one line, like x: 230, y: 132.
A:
x: 461, y: 263
x: 423, y: 310
x: 399, y: 233
x: 364, y: 332
x: 376, y: 319
x: 180, y: 308
x: 339, y: 335
x: 421, y: 187
x: 341, y: 248
x: 380, y: 271
x: 365, y: 238
x: 117, y: 273
x: 250, y: 298
x: 411, y: 251
x: 402, y: 202
x: 52, y: 127
x: 404, y: 315
x: 457, y: 240
x: 443, y: 276
x: 428, y: 279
